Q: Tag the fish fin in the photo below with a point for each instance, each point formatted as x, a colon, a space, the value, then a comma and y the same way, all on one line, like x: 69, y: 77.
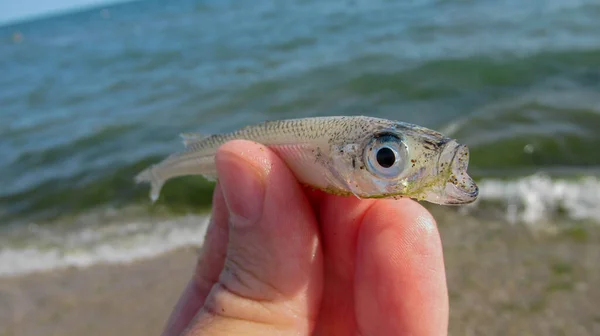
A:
x: 192, y: 138
x: 345, y: 182
x: 148, y: 176
x: 341, y: 161
x: 353, y: 190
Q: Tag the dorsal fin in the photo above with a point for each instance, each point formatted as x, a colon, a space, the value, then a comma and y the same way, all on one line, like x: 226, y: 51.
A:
x: 192, y: 138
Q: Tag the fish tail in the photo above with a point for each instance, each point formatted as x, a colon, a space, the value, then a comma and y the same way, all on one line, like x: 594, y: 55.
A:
x: 178, y: 164
x: 156, y: 183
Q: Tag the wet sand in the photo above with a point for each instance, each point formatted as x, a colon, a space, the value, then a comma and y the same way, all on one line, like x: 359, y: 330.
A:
x: 503, y: 280
x: 128, y: 299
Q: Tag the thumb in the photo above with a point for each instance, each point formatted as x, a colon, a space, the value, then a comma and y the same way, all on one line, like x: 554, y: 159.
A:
x: 271, y: 281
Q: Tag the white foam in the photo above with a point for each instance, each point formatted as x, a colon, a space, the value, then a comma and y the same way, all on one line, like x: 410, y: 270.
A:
x: 538, y: 198
x: 113, y: 244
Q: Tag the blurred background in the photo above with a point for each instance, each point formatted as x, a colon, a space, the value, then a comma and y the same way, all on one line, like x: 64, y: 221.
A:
x: 91, y: 93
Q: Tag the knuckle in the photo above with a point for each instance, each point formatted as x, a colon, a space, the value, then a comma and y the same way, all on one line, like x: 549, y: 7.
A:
x: 248, y: 281
x: 225, y: 303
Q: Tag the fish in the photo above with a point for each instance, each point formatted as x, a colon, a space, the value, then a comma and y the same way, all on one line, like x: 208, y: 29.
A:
x: 361, y: 156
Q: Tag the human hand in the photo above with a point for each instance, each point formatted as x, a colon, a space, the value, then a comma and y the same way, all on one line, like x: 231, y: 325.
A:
x: 280, y: 260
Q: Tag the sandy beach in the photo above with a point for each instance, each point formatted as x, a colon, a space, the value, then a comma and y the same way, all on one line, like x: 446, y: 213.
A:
x: 126, y: 299
x: 503, y: 280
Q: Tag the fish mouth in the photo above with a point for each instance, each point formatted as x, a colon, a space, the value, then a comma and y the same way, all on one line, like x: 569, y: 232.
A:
x: 459, y: 188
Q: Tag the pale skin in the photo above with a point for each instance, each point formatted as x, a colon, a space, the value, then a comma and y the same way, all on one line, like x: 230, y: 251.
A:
x: 280, y: 259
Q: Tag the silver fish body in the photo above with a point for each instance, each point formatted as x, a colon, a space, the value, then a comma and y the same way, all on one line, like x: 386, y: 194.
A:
x: 357, y: 155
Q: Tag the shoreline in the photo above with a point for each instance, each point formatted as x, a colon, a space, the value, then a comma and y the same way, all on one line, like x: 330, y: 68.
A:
x: 94, y: 239
x: 503, y: 279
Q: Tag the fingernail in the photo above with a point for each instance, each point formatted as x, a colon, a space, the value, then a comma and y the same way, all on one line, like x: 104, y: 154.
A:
x: 243, y: 187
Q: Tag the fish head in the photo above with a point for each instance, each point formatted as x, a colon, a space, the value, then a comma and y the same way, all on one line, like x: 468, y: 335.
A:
x: 405, y: 160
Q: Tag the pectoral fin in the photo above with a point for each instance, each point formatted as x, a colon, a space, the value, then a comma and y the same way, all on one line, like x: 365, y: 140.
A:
x: 343, y: 167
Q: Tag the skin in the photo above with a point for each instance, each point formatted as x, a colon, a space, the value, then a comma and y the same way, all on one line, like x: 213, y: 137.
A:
x: 280, y: 259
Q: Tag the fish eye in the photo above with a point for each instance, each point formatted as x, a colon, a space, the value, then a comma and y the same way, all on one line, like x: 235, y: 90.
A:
x: 385, y: 156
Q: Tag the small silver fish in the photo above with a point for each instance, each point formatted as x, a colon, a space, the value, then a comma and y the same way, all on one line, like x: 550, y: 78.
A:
x: 362, y: 156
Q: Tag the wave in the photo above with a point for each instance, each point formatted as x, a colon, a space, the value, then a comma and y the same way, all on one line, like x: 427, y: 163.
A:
x: 114, y: 244
x: 539, y: 198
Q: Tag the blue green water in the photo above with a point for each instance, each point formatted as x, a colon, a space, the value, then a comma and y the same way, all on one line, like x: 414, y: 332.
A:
x: 89, y: 99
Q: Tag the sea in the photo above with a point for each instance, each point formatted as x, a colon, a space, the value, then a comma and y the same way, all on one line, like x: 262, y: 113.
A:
x: 89, y: 98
